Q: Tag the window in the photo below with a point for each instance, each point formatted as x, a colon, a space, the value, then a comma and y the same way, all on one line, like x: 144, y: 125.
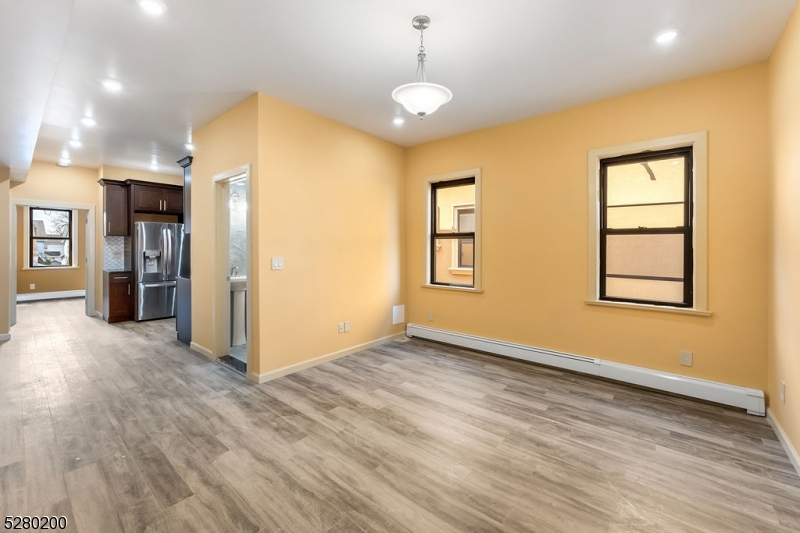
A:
x: 50, y: 234
x: 453, y: 230
x: 648, y: 225
x: 646, y: 228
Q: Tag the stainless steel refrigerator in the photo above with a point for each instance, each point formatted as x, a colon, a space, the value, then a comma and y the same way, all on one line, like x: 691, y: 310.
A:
x: 157, y: 255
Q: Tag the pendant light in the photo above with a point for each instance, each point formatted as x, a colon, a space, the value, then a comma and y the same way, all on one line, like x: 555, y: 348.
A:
x: 421, y: 98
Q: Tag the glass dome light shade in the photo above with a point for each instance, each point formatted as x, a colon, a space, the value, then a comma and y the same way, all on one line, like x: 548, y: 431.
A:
x: 422, y: 98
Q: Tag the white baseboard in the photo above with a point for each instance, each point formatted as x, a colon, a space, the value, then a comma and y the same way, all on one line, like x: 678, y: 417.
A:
x: 5, y: 337
x: 794, y: 457
x: 202, y: 350
x: 98, y: 314
x: 750, y: 399
x: 297, y: 367
x: 35, y: 296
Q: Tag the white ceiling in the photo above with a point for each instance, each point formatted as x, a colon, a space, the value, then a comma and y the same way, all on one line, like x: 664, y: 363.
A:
x: 503, y: 60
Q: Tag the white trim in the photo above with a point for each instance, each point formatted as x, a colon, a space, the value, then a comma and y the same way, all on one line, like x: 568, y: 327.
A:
x: 647, y: 307
x: 477, y: 269
x: 794, y: 457
x: 98, y: 314
x: 297, y: 367
x: 699, y: 142
x: 202, y: 350
x: 5, y: 337
x: 35, y: 296
x: 452, y: 288
x: 750, y: 399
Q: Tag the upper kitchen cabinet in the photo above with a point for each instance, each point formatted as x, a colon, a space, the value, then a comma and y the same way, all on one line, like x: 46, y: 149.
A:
x: 115, y: 208
x: 156, y: 198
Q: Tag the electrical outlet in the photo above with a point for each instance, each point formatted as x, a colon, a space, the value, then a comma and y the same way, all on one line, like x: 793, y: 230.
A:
x: 430, y: 316
x: 33, y: 287
x: 783, y: 391
x: 347, y: 326
x: 341, y: 327
x: 686, y: 358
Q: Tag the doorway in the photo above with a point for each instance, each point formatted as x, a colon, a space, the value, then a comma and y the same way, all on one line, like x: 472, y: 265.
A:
x: 232, y: 272
x: 81, y: 216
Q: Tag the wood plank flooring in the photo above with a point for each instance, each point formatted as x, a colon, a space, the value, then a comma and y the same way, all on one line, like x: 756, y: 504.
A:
x: 121, y: 429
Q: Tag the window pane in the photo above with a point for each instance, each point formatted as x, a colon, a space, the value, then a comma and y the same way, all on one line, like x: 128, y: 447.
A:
x: 445, y: 262
x: 466, y: 220
x: 50, y: 252
x: 50, y: 223
x: 449, y: 200
x: 645, y: 289
x: 631, y: 183
x: 466, y: 253
x: 645, y: 255
x: 651, y: 216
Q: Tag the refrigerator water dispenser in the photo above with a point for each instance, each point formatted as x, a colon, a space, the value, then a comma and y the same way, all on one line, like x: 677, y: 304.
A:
x: 152, y: 261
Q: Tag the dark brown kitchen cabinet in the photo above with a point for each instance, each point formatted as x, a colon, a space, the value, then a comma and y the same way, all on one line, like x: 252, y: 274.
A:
x: 115, y: 208
x: 153, y: 198
x: 117, y: 296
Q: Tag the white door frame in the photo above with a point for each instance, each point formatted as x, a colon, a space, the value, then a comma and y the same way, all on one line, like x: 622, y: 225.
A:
x: 90, y: 250
x: 221, y: 299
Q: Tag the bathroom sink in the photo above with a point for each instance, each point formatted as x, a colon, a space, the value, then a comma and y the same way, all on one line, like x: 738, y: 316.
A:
x: 239, y: 283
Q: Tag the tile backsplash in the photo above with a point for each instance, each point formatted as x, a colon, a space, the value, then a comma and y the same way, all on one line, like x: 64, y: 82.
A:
x: 116, y: 253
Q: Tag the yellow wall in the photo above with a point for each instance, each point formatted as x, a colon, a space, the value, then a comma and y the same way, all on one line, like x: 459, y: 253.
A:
x: 230, y: 141
x: 784, y: 315
x: 535, y: 230
x: 51, y: 280
x: 122, y: 174
x: 5, y: 248
x: 331, y: 202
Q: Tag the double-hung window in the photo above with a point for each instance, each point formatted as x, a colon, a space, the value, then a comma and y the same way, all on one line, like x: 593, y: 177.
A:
x: 50, y: 235
x: 648, y: 225
x: 452, y: 233
x: 646, y: 228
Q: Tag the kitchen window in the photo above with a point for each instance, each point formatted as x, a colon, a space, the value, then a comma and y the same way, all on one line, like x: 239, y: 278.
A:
x: 50, y: 234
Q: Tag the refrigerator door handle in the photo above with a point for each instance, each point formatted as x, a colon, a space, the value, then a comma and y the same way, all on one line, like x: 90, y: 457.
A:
x: 159, y: 284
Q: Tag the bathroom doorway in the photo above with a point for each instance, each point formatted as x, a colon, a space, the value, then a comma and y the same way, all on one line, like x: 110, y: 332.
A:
x: 237, y: 263
x: 233, y: 310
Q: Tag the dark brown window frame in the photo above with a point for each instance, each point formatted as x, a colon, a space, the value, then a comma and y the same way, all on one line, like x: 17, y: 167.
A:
x: 687, y: 230
x: 33, y: 238
x: 434, y: 235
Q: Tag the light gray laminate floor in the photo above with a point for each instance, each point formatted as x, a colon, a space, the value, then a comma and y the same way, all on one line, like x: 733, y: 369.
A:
x: 120, y: 428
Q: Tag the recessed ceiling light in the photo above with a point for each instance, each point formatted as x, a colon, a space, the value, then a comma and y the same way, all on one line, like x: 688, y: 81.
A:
x: 112, y: 86
x: 666, y: 37
x: 189, y: 146
x: 75, y: 143
x: 153, y: 7
x: 89, y: 122
x: 64, y: 162
x: 398, y: 121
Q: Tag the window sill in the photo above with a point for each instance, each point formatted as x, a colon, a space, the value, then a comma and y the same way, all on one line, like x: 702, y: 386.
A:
x: 460, y: 271
x: 74, y: 267
x: 647, y: 307
x: 448, y: 288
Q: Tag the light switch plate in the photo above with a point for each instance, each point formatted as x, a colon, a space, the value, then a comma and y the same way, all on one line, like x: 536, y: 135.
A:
x: 783, y: 392
x: 277, y: 263
x: 347, y: 326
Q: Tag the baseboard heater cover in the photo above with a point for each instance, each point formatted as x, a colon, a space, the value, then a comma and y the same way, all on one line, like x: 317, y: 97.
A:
x: 750, y: 399
x: 35, y: 296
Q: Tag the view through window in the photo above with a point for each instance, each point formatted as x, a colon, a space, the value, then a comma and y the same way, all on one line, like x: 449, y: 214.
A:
x: 50, y: 237
x: 453, y: 233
